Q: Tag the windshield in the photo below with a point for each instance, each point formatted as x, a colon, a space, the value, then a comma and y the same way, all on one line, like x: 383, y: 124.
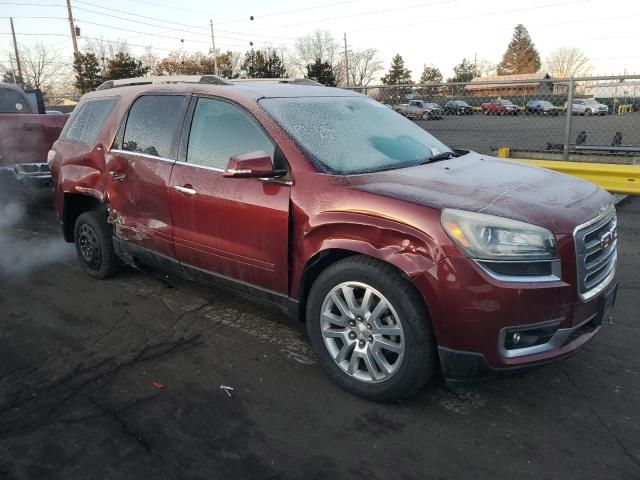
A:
x: 350, y: 135
x: 591, y: 101
x: 506, y: 102
x: 461, y: 103
x: 12, y: 101
x: 544, y: 103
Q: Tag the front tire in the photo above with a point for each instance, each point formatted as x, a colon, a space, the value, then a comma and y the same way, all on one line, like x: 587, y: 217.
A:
x: 94, y: 246
x: 370, y: 330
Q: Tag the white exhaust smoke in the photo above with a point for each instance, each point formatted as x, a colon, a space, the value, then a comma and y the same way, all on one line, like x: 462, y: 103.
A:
x: 23, y: 250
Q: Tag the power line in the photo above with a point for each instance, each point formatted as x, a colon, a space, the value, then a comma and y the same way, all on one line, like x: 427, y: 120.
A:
x: 296, y: 10
x: 125, y: 12
x: 183, y: 9
x: 364, y: 14
x: 477, y: 15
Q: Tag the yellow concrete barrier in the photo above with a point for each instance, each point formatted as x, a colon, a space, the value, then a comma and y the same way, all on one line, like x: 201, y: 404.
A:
x: 622, y: 109
x: 614, y: 178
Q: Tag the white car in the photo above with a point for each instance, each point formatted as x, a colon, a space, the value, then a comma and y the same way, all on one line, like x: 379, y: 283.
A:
x: 587, y: 106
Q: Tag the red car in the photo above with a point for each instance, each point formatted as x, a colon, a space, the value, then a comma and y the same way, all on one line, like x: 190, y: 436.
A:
x: 499, y: 107
x: 404, y: 257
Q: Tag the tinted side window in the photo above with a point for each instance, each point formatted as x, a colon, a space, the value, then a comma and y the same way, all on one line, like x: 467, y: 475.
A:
x: 153, y: 125
x: 85, y: 124
x: 220, y: 130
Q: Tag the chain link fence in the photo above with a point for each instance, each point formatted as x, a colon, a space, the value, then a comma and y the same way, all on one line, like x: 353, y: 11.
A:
x: 581, y: 119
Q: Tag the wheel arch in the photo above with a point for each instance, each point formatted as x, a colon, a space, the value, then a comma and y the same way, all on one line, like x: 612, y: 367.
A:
x: 323, y: 259
x: 74, y: 205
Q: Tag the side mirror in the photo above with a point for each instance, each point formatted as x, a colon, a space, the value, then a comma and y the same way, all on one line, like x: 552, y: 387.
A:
x: 256, y: 164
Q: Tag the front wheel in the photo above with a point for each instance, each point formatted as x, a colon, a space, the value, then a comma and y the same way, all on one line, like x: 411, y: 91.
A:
x: 94, y: 245
x: 370, y: 330
x: 588, y: 112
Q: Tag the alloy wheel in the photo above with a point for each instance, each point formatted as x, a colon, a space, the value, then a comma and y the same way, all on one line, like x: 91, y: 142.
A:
x: 362, y: 332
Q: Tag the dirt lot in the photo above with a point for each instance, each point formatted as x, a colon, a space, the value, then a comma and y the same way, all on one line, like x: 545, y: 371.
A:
x: 121, y: 379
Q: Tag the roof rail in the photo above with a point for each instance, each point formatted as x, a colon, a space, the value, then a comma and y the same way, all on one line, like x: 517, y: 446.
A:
x: 294, y: 81
x: 208, y: 79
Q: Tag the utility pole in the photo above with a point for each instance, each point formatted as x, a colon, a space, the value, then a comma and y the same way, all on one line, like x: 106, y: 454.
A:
x: 346, y: 58
x: 213, y: 45
x: 73, y: 29
x: 15, y: 47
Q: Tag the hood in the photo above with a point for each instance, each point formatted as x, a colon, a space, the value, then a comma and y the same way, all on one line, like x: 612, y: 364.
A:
x: 497, y: 187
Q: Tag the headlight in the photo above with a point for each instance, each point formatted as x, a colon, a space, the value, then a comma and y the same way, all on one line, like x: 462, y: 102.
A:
x: 487, y: 237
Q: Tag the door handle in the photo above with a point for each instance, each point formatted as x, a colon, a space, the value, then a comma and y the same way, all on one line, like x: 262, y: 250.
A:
x: 189, y: 192
x: 117, y: 176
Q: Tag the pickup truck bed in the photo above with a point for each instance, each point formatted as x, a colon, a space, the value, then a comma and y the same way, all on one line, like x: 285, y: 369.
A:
x: 27, y: 137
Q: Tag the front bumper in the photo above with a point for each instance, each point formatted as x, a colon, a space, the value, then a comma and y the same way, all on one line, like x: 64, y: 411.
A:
x: 460, y: 365
x: 472, y: 314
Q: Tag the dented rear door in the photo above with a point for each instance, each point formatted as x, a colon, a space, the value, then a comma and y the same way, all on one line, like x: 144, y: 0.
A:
x: 139, y: 167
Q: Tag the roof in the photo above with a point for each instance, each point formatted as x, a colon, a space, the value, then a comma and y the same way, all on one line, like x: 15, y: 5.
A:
x: 485, y: 82
x: 10, y: 86
x: 255, y: 89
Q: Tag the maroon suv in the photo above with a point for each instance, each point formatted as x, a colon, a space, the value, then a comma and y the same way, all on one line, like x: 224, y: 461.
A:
x: 403, y: 256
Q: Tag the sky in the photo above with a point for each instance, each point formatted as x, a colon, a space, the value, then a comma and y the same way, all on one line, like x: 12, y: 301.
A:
x: 432, y: 32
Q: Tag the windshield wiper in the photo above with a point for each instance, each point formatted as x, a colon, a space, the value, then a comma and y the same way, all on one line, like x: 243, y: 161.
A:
x: 441, y: 156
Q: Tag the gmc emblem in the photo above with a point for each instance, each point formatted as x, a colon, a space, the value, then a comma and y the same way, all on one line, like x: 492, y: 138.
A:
x: 608, y: 238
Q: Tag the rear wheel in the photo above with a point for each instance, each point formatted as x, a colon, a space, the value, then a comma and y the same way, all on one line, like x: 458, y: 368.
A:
x: 94, y: 245
x: 588, y: 112
x: 370, y: 330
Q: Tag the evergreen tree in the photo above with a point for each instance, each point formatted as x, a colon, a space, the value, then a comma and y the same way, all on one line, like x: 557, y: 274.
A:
x: 521, y: 55
x: 267, y: 64
x: 398, y: 73
x: 464, y: 72
x: 87, y: 70
x: 430, y: 75
x: 321, y: 72
x: 11, y: 76
x: 123, y: 65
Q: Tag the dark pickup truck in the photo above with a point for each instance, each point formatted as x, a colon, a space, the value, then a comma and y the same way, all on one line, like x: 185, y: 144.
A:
x: 26, y: 135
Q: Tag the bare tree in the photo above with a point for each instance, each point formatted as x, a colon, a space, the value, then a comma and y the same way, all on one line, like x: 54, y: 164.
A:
x: 105, y: 49
x: 485, y: 68
x: 43, y: 68
x: 364, y: 66
x: 318, y: 46
x: 566, y: 62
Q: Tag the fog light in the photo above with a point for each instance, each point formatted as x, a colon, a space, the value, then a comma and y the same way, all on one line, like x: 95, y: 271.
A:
x: 515, y: 338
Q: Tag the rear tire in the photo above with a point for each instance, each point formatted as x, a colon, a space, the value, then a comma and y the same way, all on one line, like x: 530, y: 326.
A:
x: 94, y: 245
x: 347, y: 331
x: 588, y: 112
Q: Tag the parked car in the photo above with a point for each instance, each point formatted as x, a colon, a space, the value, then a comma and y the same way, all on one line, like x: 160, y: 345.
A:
x: 499, y: 107
x: 457, y: 107
x: 435, y: 111
x: 541, y: 107
x: 419, y: 109
x: 363, y: 225
x: 27, y: 136
x: 587, y: 107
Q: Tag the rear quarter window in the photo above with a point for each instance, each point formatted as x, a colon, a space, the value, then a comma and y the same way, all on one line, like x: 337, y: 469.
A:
x: 87, y: 120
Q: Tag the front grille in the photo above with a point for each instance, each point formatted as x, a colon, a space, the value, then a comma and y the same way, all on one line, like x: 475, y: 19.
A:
x: 596, y: 251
